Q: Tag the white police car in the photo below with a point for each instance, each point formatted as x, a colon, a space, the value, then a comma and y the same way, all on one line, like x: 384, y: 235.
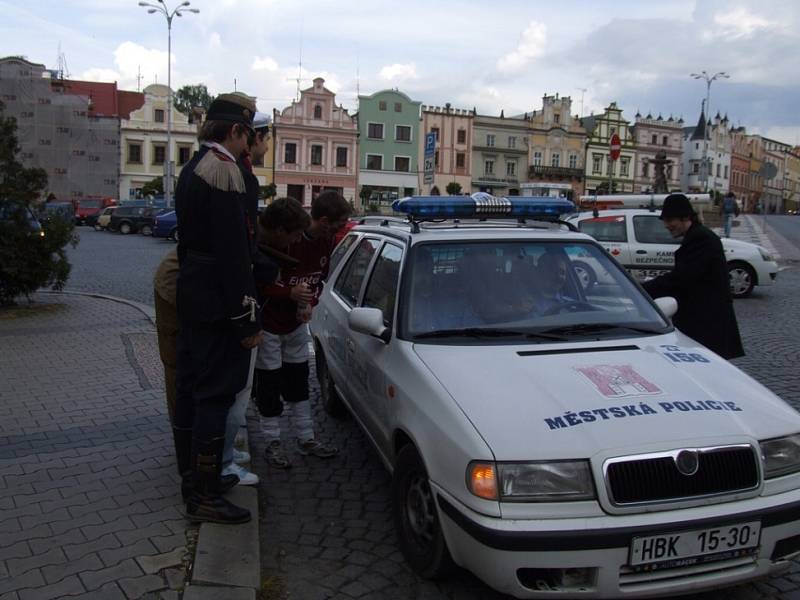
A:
x: 554, y: 440
x: 638, y: 240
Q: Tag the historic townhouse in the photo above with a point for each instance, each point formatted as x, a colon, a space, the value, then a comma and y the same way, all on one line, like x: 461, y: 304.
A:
x: 657, y: 139
x: 144, y: 141
x: 499, y: 154
x: 718, y: 137
x: 557, y: 144
x: 316, y: 147
x: 600, y: 128
x: 775, y: 188
x: 740, y: 168
x: 452, y: 158
x: 388, y: 149
x: 792, y: 192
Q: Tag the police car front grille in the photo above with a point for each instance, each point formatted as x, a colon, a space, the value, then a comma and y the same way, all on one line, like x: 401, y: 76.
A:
x: 656, y: 478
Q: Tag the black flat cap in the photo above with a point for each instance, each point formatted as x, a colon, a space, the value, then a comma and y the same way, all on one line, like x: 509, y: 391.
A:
x: 236, y: 108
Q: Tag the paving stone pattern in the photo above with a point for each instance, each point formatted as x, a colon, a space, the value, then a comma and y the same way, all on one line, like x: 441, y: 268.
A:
x: 115, y: 264
x: 87, y: 474
x: 326, y: 526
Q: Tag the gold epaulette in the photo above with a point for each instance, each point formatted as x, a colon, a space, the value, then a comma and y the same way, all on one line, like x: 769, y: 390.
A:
x: 220, y: 174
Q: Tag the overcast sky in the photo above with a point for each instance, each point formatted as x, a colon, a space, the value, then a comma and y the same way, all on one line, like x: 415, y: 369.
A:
x: 503, y: 54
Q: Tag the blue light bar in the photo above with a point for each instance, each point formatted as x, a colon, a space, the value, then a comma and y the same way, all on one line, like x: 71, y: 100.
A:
x: 481, y: 204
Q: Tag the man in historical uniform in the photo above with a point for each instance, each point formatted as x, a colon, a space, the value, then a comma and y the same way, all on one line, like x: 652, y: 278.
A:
x: 218, y: 320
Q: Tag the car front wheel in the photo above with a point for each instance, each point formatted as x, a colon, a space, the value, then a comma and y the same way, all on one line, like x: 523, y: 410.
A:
x: 416, y: 521
x: 124, y: 228
x: 585, y: 273
x: 742, y: 279
x: 174, y: 234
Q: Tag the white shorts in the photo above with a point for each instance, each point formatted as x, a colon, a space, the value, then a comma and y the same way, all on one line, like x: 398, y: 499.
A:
x: 275, y: 349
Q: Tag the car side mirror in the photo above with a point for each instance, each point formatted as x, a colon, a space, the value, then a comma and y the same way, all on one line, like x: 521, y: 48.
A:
x: 668, y: 306
x: 369, y: 321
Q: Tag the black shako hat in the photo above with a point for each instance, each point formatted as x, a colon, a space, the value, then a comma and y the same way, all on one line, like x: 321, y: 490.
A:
x: 676, y: 206
x: 236, y: 108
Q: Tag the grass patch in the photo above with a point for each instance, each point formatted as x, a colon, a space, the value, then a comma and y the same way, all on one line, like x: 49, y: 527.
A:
x: 273, y: 588
x: 23, y: 311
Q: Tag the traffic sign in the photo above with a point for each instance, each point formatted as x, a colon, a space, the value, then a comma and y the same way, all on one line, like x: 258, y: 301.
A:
x: 429, y: 164
x: 615, y: 146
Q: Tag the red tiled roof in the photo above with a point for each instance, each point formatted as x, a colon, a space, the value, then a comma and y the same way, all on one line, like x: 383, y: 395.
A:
x: 129, y: 102
x: 102, y: 96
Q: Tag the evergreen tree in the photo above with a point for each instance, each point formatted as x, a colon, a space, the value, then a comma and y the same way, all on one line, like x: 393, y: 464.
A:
x: 30, y: 257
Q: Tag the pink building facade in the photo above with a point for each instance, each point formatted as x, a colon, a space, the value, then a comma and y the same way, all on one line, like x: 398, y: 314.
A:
x: 316, y: 147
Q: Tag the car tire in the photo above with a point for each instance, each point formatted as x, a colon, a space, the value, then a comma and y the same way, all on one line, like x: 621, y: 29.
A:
x: 125, y: 228
x: 174, y: 234
x: 416, y: 520
x: 98, y: 228
x: 146, y: 230
x: 585, y: 273
x: 331, y: 400
x: 742, y: 279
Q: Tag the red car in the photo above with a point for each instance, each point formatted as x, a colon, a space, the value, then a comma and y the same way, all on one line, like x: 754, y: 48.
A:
x: 89, y: 208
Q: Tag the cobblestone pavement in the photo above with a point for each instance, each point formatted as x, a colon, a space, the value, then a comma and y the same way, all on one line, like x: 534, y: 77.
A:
x: 115, y: 264
x: 326, y: 526
x: 89, y: 504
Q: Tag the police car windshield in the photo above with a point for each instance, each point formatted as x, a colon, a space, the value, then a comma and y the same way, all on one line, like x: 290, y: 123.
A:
x: 524, y: 288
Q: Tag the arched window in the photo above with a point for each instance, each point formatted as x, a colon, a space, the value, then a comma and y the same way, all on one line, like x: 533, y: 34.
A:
x: 317, y: 112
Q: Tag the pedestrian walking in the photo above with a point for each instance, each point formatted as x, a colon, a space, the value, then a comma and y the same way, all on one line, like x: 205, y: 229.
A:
x: 282, y: 362
x: 217, y: 316
x: 730, y: 210
x: 699, y: 281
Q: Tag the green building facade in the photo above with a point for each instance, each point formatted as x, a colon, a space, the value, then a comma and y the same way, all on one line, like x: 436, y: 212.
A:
x: 388, y: 147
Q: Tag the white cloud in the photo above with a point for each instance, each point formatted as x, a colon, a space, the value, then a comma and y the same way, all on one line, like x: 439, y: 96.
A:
x: 97, y: 74
x: 131, y: 58
x: 739, y: 23
x: 215, y: 40
x: 399, y: 72
x: 531, y: 46
x: 265, y: 63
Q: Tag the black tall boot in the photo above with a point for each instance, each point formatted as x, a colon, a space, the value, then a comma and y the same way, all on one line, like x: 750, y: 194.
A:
x: 206, y: 502
x: 183, y: 454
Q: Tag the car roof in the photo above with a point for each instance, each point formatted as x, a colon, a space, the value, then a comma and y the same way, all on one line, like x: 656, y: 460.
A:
x: 466, y: 230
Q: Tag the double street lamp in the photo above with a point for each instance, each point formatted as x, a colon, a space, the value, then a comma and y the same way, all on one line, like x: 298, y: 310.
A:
x: 178, y: 11
x: 709, y: 79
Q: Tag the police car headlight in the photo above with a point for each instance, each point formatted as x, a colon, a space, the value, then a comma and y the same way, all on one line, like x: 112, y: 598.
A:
x: 532, y: 482
x: 781, y: 456
x: 765, y: 256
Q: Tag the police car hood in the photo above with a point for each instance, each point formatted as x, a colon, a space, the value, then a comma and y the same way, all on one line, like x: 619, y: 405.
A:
x: 573, y: 400
x: 731, y: 244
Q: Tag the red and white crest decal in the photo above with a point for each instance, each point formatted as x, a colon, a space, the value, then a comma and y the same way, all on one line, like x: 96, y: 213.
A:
x: 618, y: 381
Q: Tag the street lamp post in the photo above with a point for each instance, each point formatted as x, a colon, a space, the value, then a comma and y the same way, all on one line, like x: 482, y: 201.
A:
x: 179, y: 11
x: 709, y: 79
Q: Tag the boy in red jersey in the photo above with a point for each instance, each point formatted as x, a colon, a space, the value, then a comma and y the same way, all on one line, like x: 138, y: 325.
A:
x: 282, y: 361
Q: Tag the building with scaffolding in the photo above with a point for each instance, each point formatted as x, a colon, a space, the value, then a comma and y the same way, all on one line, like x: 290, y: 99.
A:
x: 68, y: 128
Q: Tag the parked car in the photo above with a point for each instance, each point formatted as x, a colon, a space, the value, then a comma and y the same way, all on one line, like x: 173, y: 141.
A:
x: 637, y: 239
x: 88, y: 209
x: 130, y: 219
x: 104, y: 218
x: 166, y: 225
x: 22, y: 216
x: 588, y: 449
x: 60, y: 210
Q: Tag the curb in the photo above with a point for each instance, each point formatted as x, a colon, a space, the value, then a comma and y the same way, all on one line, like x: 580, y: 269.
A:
x: 147, y: 310
x: 227, y: 560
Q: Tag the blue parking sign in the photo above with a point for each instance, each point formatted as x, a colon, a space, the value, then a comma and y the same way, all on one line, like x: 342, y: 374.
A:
x: 430, y: 144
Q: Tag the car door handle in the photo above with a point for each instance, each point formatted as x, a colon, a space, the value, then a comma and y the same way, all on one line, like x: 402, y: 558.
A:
x: 641, y: 252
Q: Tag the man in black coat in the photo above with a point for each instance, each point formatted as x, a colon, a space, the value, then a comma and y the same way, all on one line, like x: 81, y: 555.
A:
x: 218, y: 320
x: 699, y: 281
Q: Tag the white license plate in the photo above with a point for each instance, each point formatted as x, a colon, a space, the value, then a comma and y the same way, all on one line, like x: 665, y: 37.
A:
x: 699, y: 542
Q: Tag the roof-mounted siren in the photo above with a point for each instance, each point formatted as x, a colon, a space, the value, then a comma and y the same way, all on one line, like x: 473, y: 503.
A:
x: 482, y: 205
x: 651, y: 201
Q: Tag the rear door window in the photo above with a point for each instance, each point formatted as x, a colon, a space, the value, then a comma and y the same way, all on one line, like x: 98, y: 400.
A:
x: 348, y: 284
